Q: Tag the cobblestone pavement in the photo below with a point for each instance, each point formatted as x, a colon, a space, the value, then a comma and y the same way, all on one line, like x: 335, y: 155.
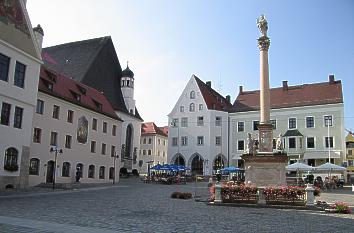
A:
x: 131, y: 206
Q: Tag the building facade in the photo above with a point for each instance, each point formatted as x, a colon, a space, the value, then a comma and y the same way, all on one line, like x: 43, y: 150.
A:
x: 20, y: 61
x: 198, y: 128
x: 349, y: 144
x: 153, y: 146
x: 80, y: 126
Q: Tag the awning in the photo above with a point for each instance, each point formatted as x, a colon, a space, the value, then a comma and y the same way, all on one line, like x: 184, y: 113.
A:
x: 321, y: 155
x: 292, y: 133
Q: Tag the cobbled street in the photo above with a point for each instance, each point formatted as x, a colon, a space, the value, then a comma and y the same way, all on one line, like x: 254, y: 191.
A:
x: 132, y: 206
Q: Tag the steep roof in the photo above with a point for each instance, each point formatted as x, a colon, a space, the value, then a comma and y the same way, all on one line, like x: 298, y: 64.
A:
x: 149, y: 128
x: 213, y: 99
x: 292, y: 96
x: 62, y: 87
x: 93, y: 62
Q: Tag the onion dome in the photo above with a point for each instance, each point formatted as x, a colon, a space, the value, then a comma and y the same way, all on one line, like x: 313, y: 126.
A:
x: 127, y: 72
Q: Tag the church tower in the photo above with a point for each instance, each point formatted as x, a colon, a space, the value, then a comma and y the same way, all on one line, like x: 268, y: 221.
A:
x: 127, y: 86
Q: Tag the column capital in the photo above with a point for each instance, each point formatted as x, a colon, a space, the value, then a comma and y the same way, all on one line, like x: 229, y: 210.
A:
x: 263, y: 43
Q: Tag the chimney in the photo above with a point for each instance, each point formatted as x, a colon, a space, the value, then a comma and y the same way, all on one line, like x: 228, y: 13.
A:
x: 228, y: 98
x: 285, y: 85
x: 38, y: 32
x: 240, y: 88
x: 331, y: 78
x: 208, y: 83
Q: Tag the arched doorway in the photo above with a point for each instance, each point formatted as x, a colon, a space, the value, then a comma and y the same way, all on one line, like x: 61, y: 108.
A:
x: 50, y: 169
x: 219, y: 162
x: 128, y: 141
x: 179, y: 160
x: 197, y: 165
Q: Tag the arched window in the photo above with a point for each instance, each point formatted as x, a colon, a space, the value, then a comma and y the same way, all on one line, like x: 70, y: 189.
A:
x: 66, y: 169
x: 192, y: 95
x: 111, y: 173
x: 10, y: 161
x: 102, y: 170
x: 34, y: 167
x: 91, y: 171
x: 80, y: 168
x: 192, y: 107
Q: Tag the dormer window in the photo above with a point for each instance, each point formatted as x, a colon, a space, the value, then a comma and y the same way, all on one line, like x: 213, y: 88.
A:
x: 76, y: 96
x: 97, y: 104
x: 131, y: 111
x: 81, y: 89
x: 192, y: 95
x: 47, y: 84
x: 51, y: 76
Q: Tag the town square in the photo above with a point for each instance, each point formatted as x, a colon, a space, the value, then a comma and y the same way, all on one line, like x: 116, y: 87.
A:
x: 162, y: 116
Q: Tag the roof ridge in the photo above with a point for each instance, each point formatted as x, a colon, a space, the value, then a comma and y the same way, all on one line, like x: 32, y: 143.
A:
x: 77, y: 42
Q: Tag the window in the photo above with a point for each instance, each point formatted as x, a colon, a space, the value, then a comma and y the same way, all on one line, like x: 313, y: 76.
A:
x: 111, y: 173
x: 94, y: 124
x: 292, y: 143
x: 184, y: 122
x: 350, y: 152
x: 56, y: 110
x: 174, y: 122
x: 20, y: 75
x: 91, y: 171
x: 241, y: 145
x: 163, y: 154
x: 292, y: 123
x: 65, y: 172
x: 102, y: 170
x: 200, y: 121
x: 68, y: 140
x: 217, y: 121
x: 332, y: 160
x: 40, y: 106
x: 150, y: 140
x: 114, y: 130
x: 158, y: 153
x: 4, y: 67
x: 93, y: 146
x: 174, y: 141
x: 218, y: 140
x: 192, y: 107
x: 104, y: 127
x: 70, y: 116
x: 80, y: 169
x: 184, y: 141
x: 328, y: 121
x: 200, y: 107
x: 158, y: 141
x: 34, y: 167
x: 103, y: 149
x: 37, y: 133
x: 310, y: 142
x: 144, y: 141
x: 310, y: 122
x: 18, y: 117
x: 5, y: 114
x: 192, y: 95
x: 200, y: 140
x: 311, y: 162
x: 240, y: 126
x: 53, y: 138
x: 149, y: 152
x: 181, y: 108
x: 274, y: 123
x: 10, y: 161
x: 113, y: 151
x: 255, y: 125
x: 329, y: 142
x: 144, y: 152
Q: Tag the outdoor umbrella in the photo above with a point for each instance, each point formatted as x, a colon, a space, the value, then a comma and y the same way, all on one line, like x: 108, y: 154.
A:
x: 299, y: 167
x: 330, y: 167
x: 231, y: 169
x: 166, y: 167
x: 157, y: 167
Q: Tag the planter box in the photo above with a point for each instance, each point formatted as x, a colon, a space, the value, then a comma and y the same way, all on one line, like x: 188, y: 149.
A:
x: 244, y: 201
x: 286, y: 202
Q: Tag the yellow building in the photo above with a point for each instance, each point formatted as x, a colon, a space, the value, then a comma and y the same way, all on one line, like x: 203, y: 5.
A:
x: 349, y: 141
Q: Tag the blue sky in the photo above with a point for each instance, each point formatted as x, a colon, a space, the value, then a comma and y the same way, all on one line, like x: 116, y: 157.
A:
x: 168, y: 41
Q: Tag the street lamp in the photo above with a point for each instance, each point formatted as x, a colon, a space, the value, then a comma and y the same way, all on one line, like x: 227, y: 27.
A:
x: 56, y: 151
x: 115, y: 157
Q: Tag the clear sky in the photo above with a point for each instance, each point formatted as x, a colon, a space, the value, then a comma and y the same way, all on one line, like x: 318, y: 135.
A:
x: 168, y: 41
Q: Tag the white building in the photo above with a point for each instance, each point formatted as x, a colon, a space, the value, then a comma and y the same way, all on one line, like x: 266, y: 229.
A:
x: 153, y: 146
x: 20, y: 61
x: 198, y: 132
x: 309, y: 117
x: 80, y: 122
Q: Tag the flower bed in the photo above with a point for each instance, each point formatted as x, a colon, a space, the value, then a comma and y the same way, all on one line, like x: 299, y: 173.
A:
x: 232, y: 193
x: 181, y: 195
x: 341, y: 207
x: 285, y: 195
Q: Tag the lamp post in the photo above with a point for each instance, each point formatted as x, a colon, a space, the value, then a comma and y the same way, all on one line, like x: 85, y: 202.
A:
x: 115, y: 157
x: 56, y: 151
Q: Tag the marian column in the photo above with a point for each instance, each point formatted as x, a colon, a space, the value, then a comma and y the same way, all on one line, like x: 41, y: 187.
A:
x: 265, y: 127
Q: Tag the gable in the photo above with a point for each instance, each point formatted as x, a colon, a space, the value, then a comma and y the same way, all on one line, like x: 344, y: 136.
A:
x: 16, y: 28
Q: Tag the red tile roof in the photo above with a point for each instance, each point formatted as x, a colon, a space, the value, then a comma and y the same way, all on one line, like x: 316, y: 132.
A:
x: 149, y: 128
x: 293, y: 96
x: 213, y: 99
x: 74, y: 92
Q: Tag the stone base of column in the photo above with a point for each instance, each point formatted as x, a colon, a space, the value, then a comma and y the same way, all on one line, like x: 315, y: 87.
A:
x: 265, y: 137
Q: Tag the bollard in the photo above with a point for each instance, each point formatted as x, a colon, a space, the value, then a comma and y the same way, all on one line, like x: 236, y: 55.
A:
x: 310, y: 197
x: 218, y: 193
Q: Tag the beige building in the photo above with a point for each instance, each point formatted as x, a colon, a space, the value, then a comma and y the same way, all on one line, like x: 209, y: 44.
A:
x: 79, y: 123
x: 153, y: 146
